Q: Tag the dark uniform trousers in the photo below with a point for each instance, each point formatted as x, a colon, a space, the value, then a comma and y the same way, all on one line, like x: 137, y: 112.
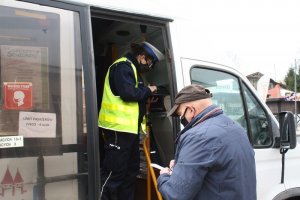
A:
x: 120, y: 165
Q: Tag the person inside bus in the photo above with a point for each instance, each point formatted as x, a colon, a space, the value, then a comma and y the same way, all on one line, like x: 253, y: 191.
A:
x: 121, y: 115
x: 214, y: 158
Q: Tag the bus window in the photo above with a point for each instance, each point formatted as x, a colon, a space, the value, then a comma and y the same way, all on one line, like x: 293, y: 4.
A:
x: 41, y: 104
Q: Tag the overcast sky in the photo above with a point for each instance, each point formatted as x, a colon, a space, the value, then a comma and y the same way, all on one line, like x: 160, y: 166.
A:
x: 263, y: 35
x: 259, y: 35
x: 275, y: 34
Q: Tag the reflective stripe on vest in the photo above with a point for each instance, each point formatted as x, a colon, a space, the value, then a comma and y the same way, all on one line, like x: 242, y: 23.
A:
x: 115, y: 114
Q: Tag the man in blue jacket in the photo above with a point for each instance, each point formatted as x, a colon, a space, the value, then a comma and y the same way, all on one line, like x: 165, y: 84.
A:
x: 213, y: 159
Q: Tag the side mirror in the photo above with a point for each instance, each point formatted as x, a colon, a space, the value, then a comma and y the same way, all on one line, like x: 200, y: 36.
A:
x: 287, y: 130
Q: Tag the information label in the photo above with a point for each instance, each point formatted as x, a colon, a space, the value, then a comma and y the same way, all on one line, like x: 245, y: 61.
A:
x: 37, y: 125
x: 11, y: 141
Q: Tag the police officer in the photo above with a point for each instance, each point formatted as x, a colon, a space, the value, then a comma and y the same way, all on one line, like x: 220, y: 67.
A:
x: 122, y: 110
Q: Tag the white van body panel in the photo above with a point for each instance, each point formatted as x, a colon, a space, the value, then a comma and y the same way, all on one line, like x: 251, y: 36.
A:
x: 194, y: 42
x: 268, y: 160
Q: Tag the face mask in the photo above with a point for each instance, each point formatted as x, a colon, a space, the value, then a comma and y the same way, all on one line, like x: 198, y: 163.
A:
x: 144, y: 68
x: 183, y: 120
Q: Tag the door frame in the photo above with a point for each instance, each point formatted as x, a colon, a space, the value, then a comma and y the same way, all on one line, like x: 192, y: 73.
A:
x: 90, y: 89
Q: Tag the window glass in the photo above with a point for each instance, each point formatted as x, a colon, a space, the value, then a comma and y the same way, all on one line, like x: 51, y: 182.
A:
x: 41, y: 103
x: 225, y: 90
x: 260, y: 128
x: 227, y: 95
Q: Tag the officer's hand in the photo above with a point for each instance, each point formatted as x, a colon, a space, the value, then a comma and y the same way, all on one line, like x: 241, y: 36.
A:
x: 152, y: 100
x: 153, y: 88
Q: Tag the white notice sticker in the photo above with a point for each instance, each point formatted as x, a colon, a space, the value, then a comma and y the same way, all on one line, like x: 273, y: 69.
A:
x: 37, y: 125
x: 11, y: 141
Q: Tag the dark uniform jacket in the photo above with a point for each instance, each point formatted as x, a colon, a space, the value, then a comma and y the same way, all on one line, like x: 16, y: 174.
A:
x: 122, y: 83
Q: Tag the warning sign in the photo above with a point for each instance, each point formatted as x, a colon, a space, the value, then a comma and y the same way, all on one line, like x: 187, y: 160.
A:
x: 17, y: 95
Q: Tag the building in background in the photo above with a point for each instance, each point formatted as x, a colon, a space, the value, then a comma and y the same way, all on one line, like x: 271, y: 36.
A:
x: 278, y: 97
x: 275, y: 90
x: 253, y: 78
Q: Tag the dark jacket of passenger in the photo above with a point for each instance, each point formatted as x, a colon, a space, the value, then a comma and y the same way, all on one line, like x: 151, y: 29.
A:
x: 213, y: 160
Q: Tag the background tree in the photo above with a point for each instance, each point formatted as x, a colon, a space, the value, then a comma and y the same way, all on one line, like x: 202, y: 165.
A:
x: 290, y: 79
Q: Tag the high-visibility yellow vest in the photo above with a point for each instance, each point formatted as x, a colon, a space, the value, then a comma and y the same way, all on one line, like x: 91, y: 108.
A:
x: 116, y: 114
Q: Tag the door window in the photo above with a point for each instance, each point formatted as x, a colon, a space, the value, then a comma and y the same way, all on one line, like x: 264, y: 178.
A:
x: 42, y: 127
x: 259, y: 123
x: 226, y: 90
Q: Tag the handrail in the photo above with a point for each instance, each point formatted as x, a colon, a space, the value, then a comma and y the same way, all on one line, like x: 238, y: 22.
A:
x: 150, y: 171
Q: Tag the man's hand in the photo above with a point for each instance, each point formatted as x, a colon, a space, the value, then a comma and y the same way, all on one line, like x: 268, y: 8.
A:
x: 165, y: 170
x: 168, y: 170
x: 171, y: 165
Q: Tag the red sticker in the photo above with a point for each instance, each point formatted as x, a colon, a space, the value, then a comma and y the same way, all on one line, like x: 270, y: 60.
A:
x: 17, y: 95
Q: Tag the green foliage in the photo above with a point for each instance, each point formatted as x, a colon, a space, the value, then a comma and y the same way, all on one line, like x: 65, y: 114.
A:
x: 290, y: 79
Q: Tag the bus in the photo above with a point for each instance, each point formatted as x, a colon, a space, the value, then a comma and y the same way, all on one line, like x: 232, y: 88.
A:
x: 54, y: 55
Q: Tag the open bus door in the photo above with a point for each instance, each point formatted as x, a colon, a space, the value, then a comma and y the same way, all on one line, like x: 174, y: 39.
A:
x: 113, y: 33
x: 47, y: 125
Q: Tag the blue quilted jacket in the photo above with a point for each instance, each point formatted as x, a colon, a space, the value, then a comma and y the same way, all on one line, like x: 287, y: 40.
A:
x: 213, y: 160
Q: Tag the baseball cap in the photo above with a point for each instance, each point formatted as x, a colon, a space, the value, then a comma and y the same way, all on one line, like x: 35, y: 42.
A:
x: 153, y: 51
x: 189, y: 93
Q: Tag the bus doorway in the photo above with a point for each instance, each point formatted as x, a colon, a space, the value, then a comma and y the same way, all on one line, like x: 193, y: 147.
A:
x: 113, y: 33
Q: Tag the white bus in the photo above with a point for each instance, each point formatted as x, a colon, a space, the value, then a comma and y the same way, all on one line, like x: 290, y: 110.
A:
x: 53, y: 59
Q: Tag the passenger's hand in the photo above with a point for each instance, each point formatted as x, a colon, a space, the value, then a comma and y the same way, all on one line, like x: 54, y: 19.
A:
x: 153, y: 88
x: 171, y: 165
x: 165, y: 170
